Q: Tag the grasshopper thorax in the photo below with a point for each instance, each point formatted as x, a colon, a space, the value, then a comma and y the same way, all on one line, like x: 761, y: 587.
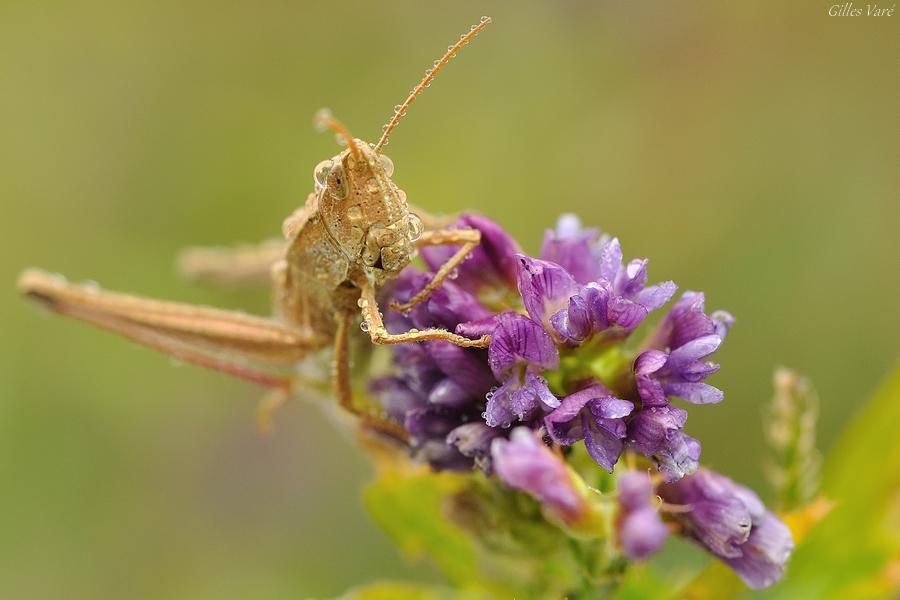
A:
x: 363, y: 210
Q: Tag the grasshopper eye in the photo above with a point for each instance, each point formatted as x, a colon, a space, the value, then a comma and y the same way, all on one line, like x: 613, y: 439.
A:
x: 387, y: 164
x: 320, y: 173
x: 341, y: 186
x: 413, y: 227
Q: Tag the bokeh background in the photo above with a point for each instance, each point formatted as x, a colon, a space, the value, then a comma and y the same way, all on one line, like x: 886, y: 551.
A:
x: 750, y: 149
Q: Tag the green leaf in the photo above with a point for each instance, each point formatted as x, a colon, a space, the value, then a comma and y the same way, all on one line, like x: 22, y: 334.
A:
x: 389, y: 590
x: 410, y: 508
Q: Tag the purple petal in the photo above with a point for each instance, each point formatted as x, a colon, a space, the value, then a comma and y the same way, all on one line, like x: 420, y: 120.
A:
x: 523, y: 462
x: 655, y: 433
x: 447, y: 306
x: 695, y: 393
x: 545, y: 287
x: 519, y: 340
x: 763, y: 557
x: 492, y: 262
x: 603, y: 445
x: 650, y: 390
x: 395, y: 396
x: 714, y: 515
x: 723, y: 322
x: 679, y: 456
x: 610, y: 259
x: 467, y: 367
x: 573, y: 248
x: 498, y: 411
x: 642, y: 533
x: 473, y: 439
x: 450, y: 394
x: 635, y: 490
x: 430, y: 422
x: 563, y: 423
x: 573, y: 323
x: 443, y: 457
x: 655, y: 296
x: 650, y: 362
x: 518, y: 400
x: 610, y: 407
x: 692, y: 351
x: 632, y: 279
x: 625, y: 313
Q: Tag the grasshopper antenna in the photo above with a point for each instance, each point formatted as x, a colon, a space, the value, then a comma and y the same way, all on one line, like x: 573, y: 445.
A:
x: 324, y: 120
x: 400, y: 109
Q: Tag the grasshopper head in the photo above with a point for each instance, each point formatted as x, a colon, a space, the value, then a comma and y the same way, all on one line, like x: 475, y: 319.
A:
x: 363, y: 210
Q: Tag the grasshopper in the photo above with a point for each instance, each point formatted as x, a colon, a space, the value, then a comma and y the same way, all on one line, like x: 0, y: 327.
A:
x: 355, y: 233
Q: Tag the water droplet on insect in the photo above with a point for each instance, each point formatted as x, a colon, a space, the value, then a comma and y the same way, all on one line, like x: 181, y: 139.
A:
x: 414, y: 227
x: 453, y: 274
x: 340, y: 139
x: 437, y: 63
x: 485, y: 18
x: 364, y: 326
x: 414, y: 330
x: 397, y: 108
x: 484, y: 415
x: 320, y: 173
x: 387, y: 164
x: 361, y: 303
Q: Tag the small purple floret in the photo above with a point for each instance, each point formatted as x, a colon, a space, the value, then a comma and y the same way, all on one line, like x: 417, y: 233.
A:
x: 523, y: 462
x: 595, y: 416
x: 641, y: 531
x: 732, y: 523
x: 520, y: 349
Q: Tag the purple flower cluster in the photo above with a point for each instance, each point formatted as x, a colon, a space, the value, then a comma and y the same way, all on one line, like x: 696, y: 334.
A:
x: 550, y: 319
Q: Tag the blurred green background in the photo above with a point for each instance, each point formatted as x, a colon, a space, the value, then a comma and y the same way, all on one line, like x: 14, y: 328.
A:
x: 749, y: 149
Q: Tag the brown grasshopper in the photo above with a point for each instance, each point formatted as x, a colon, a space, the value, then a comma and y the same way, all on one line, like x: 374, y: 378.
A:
x: 354, y: 234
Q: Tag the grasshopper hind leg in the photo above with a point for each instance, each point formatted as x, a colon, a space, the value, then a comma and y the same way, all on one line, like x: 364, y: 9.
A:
x: 252, y: 348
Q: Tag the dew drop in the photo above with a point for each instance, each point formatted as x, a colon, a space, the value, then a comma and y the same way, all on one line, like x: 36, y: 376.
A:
x: 453, y: 274
x: 485, y: 18
x: 414, y: 227
x: 340, y: 139
x: 320, y: 173
x: 484, y: 415
x: 414, y: 330
x: 387, y: 164
x: 364, y: 326
x: 361, y: 303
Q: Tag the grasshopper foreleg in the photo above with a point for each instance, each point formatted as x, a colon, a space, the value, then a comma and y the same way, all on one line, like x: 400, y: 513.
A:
x: 467, y: 239
x: 380, y: 335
